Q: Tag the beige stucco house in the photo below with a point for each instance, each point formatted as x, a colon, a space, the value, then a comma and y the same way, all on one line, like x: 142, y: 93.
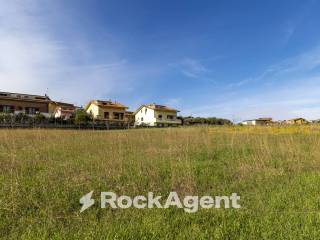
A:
x: 296, y: 121
x: 154, y: 115
x: 107, y: 111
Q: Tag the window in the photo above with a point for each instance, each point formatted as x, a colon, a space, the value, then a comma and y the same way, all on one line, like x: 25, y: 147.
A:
x: 7, y: 109
x: 118, y: 116
x: 160, y: 116
x: 142, y: 119
x: 32, y: 110
x: 106, y: 115
x: 145, y: 111
x: 170, y: 117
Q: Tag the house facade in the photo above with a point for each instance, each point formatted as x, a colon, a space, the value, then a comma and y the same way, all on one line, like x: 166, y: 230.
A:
x: 258, y: 122
x: 107, y: 111
x: 16, y: 103
x: 154, y: 115
x: 296, y: 121
x: 61, y: 110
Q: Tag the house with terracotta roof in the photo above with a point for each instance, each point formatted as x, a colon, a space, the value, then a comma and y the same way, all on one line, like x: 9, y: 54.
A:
x: 296, y: 121
x: 107, y: 111
x: 61, y: 110
x: 15, y: 103
x: 154, y: 115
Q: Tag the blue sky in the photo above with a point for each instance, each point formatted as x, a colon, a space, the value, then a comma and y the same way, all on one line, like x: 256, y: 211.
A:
x: 232, y: 59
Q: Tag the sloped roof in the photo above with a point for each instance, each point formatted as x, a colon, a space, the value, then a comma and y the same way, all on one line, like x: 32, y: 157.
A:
x: 264, y: 119
x: 24, y: 97
x: 296, y: 119
x: 106, y: 104
x: 63, y: 104
x: 258, y: 119
x: 157, y: 107
x: 161, y: 107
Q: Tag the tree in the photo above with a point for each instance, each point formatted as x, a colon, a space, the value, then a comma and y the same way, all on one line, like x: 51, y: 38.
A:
x: 82, y: 117
x: 205, y: 121
x: 39, y: 118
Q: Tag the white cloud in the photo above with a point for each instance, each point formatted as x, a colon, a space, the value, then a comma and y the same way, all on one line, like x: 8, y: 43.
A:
x: 300, y: 99
x: 32, y: 60
x: 281, y: 71
x: 290, y: 88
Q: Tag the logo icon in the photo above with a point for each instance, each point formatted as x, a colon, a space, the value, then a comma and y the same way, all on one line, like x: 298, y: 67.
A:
x: 86, y: 201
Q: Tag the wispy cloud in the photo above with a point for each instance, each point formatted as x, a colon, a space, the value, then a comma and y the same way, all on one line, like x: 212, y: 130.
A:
x: 301, y: 99
x: 174, y: 102
x: 193, y: 68
x: 281, y: 71
x: 32, y: 60
x: 289, y: 88
x: 289, y: 30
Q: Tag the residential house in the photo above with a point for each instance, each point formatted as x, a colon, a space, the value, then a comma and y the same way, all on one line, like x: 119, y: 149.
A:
x: 258, y: 122
x: 297, y: 121
x: 156, y: 116
x: 108, y: 111
x: 16, y: 103
x: 61, y: 110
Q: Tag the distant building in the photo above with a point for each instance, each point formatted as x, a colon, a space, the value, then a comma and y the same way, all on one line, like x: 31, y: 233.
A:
x: 258, y: 122
x: 61, y: 110
x: 296, y: 121
x: 316, y: 121
x: 156, y: 116
x: 107, y: 111
x: 16, y: 103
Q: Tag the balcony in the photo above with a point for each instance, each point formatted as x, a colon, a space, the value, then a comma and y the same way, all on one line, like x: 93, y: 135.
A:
x: 168, y: 121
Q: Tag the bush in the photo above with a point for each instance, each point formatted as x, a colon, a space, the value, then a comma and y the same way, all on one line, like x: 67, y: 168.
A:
x: 21, y: 118
x: 82, y: 117
x: 39, y: 118
x: 206, y: 121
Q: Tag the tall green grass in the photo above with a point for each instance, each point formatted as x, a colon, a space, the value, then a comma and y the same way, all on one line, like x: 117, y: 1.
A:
x: 276, y: 171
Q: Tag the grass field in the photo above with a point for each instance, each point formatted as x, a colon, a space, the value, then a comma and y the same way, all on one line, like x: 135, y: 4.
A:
x: 276, y: 171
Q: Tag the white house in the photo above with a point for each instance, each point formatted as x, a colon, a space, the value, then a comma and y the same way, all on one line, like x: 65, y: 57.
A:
x: 259, y: 121
x: 154, y: 115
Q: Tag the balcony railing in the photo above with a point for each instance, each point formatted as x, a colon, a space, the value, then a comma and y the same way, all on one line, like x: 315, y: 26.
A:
x: 175, y: 121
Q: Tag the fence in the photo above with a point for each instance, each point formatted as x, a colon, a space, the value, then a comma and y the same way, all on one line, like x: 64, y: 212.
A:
x: 93, y: 126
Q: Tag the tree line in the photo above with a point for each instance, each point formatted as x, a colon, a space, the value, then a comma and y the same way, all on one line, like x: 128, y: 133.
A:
x: 82, y: 118
x: 205, y: 121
